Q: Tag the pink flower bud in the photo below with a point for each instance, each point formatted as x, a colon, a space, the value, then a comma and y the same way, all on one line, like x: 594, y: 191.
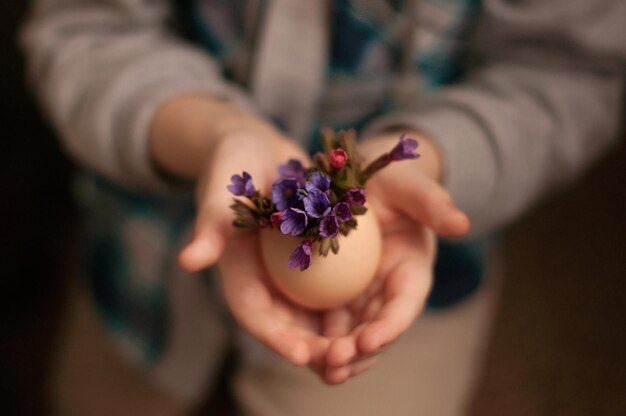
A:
x: 337, y: 158
x: 276, y: 218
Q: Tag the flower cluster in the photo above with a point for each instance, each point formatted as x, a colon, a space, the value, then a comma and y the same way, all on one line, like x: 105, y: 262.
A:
x: 317, y: 203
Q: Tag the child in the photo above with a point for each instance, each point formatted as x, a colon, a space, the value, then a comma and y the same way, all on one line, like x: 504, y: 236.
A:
x: 508, y: 99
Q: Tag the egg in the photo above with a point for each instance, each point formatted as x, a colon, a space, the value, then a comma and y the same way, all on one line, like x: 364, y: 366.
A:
x: 330, y: 281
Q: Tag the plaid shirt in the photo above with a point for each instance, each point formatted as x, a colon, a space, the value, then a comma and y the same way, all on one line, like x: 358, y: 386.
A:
x: 365, y: 52
x: 131, y: 240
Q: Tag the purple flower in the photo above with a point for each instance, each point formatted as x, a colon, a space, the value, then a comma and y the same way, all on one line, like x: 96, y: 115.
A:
x: 318, y: 180
x: 294, y: 221
x: 293, y: 170
x: 355, y: 196
x: 329, y: 226
x: 241, y: 185
x: 405, y: 149
x: 285, y: 193
x: 301, y: 256
x: 342, y: 211
x: 316, y: 203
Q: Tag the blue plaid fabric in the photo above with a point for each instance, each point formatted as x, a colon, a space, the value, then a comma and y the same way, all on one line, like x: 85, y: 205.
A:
x: 129, y: 244
x: 131, y: 240
x: 365, y: 50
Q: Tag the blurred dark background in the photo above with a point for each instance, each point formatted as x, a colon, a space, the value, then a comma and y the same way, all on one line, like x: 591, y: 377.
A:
x: 559, y: 342
x: 36, y: 215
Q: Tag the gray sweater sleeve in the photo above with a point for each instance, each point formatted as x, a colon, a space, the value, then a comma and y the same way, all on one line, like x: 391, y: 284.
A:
x: 544, y: 101
x: 102, y: 68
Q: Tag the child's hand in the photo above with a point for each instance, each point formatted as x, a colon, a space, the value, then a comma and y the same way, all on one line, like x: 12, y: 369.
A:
x: 289, y: 330
x: 411, y: 207
x: 227, y: 142
x: 254, y: 147
x: 205, y: 140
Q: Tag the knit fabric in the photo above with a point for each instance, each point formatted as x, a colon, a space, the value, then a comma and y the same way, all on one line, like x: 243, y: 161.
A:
x: 132, y: 238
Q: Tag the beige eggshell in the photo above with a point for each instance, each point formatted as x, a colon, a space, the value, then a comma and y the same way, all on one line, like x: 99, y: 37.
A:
x: 330, y: 281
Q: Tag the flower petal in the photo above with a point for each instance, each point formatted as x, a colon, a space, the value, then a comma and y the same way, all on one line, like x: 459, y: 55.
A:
x: 301, y: 256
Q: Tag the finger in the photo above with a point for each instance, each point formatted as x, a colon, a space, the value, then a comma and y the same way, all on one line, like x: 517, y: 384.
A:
x: 355, y: 356
x: 206, y: 247
x: 341, y: 351
x: 425, y: 201
x: 373, y: 308
x: 251, y: 304
x: 288, y: 345
x: 336, y: 375
x: 406, y: 293
x: 337, y: 322
x: 213, y: 222
x: 318, y: 347
x: 339, y: 375
x: 362, y: 365
x: 214, y: 216
x: 398, y: 295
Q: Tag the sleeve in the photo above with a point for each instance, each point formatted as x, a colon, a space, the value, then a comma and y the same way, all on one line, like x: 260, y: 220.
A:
x: 100, y: 70
x: 544, y: 101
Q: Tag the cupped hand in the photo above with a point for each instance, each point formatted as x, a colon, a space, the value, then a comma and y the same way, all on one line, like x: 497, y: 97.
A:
x: 336, y: 344
x: 256, y: 148
x: 412, y: 208
x: 291, y: 331
x: 208, y: 140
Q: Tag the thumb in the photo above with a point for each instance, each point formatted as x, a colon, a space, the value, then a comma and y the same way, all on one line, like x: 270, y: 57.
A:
x: 213, y: 222
x: 211, y: 230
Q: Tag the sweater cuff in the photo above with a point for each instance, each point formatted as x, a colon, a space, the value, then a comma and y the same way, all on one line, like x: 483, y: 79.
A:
x: 469, y: 157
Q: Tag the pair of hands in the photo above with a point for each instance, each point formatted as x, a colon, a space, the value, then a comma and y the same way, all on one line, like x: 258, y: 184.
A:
x: 410, y: 205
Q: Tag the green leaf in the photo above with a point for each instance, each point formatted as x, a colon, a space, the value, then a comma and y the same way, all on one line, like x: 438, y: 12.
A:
x: 321, y: 162
x: 329, y: 140
x: 347, y: 140
x: 264, y: 205
x: 325, y: 246
x: 358, y: 209
x: 351, y: 180
x: 245, y: 216
x: 379, y: 163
